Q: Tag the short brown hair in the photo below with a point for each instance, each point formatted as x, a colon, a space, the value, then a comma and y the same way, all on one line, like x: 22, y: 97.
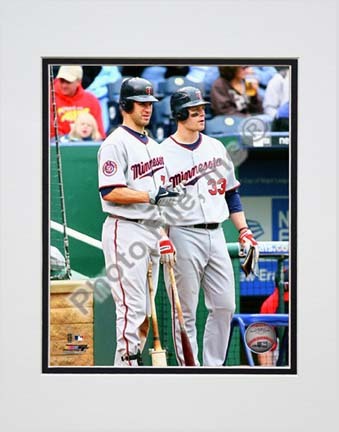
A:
x: 228, y: 72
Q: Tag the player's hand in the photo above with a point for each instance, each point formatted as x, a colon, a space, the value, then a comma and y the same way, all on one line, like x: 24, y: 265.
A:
x: 249, y: 248
x: 164, y: 197
x: 167, y: 251
x: 246, y: 239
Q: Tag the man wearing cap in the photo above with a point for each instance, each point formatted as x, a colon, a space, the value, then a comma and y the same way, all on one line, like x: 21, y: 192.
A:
x: 133, y: 192
x: 71, y: 100
x: 203, y: 165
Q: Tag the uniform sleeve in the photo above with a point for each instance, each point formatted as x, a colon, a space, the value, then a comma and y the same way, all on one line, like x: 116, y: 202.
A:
x: 112, y: 166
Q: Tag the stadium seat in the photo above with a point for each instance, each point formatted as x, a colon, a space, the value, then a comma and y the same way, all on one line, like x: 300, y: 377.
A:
x: 266, y: 119
x: 114, y: 114
x: 199, y: 85
x: 156, y: 75
x: 163, y: 124
x: 113, y: 89
x: 113, y: 95
x: 168, y: 86
x: 173, y: 83
x: 223, y: 125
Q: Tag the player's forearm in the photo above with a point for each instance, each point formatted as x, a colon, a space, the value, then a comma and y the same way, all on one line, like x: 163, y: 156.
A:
x: 124, y: 195
x: 239, y: 220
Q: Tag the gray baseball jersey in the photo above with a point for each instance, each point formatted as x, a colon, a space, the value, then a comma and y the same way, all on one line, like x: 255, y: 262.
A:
x: 208, y: 173
x: 125, y: 160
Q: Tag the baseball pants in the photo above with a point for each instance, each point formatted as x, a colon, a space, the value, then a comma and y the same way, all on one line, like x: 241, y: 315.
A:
x: 203, y: 261
x: 128, y: 248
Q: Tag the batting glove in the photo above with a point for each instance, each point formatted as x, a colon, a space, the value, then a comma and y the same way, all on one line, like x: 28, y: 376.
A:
x: 249, y: 248
x: 167, y: 251
x: 246, y: 239
x: 163, y: 197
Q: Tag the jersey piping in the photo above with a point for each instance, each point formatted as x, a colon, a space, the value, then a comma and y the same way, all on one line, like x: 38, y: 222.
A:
x: 190, y: 147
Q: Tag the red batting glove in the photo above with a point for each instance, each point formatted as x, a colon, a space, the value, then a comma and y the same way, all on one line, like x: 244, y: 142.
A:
x: 249, y: 248
x: 167, y: 251
x: 246, y: 239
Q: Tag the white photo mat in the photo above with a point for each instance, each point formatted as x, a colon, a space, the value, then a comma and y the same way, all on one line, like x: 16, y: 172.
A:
x: 31, y: 401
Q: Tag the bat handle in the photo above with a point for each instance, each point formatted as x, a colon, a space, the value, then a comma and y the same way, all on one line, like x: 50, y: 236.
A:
x: 175, y: 294
x: 186, y: 345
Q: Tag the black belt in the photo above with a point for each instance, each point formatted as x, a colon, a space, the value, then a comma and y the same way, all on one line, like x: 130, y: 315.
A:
x: 205, y: 226
x: 126, y: 219
x: 134, y: 220
x: 139, y: 221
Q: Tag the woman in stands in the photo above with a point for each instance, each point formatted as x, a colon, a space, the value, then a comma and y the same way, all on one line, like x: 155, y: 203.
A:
x: 232, y: 94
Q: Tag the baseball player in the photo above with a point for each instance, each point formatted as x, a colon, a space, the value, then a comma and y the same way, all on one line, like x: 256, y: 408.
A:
x: 204, y: 166
x: 131, y: 183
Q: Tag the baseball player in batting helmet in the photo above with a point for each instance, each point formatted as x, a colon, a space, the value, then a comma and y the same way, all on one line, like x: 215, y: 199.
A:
x: 135, y: 90
x: 203, y: 165
x: 132, y: 186
x: 183, y: 99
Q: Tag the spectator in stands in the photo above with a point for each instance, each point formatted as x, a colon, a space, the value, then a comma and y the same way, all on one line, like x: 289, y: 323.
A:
x: 230, y: 95
x: 89, y: 75
x: 277, y: 92
x: 281, y: 122
x: 99, y: 89
x: 263, y: 74
x: 85, y: 128
x: 71, y: 99
x: 271, y: 306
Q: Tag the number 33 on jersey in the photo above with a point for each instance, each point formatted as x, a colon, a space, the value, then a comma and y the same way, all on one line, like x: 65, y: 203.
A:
x: 208, y: 173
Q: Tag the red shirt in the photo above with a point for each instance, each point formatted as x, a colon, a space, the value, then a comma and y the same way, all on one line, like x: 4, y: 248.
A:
x: 68, y: 108
x: 270, y: 305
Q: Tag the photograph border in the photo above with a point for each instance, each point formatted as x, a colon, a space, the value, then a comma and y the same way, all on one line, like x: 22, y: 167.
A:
x: 293, y: 164
x: 35, y: 402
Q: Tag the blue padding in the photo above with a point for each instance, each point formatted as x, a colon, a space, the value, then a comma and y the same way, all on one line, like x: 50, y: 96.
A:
x: 273, y: 319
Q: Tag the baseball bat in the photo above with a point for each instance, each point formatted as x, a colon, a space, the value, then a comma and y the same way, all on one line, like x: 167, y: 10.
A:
x: 158, y: 354
x: 185, y: 342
